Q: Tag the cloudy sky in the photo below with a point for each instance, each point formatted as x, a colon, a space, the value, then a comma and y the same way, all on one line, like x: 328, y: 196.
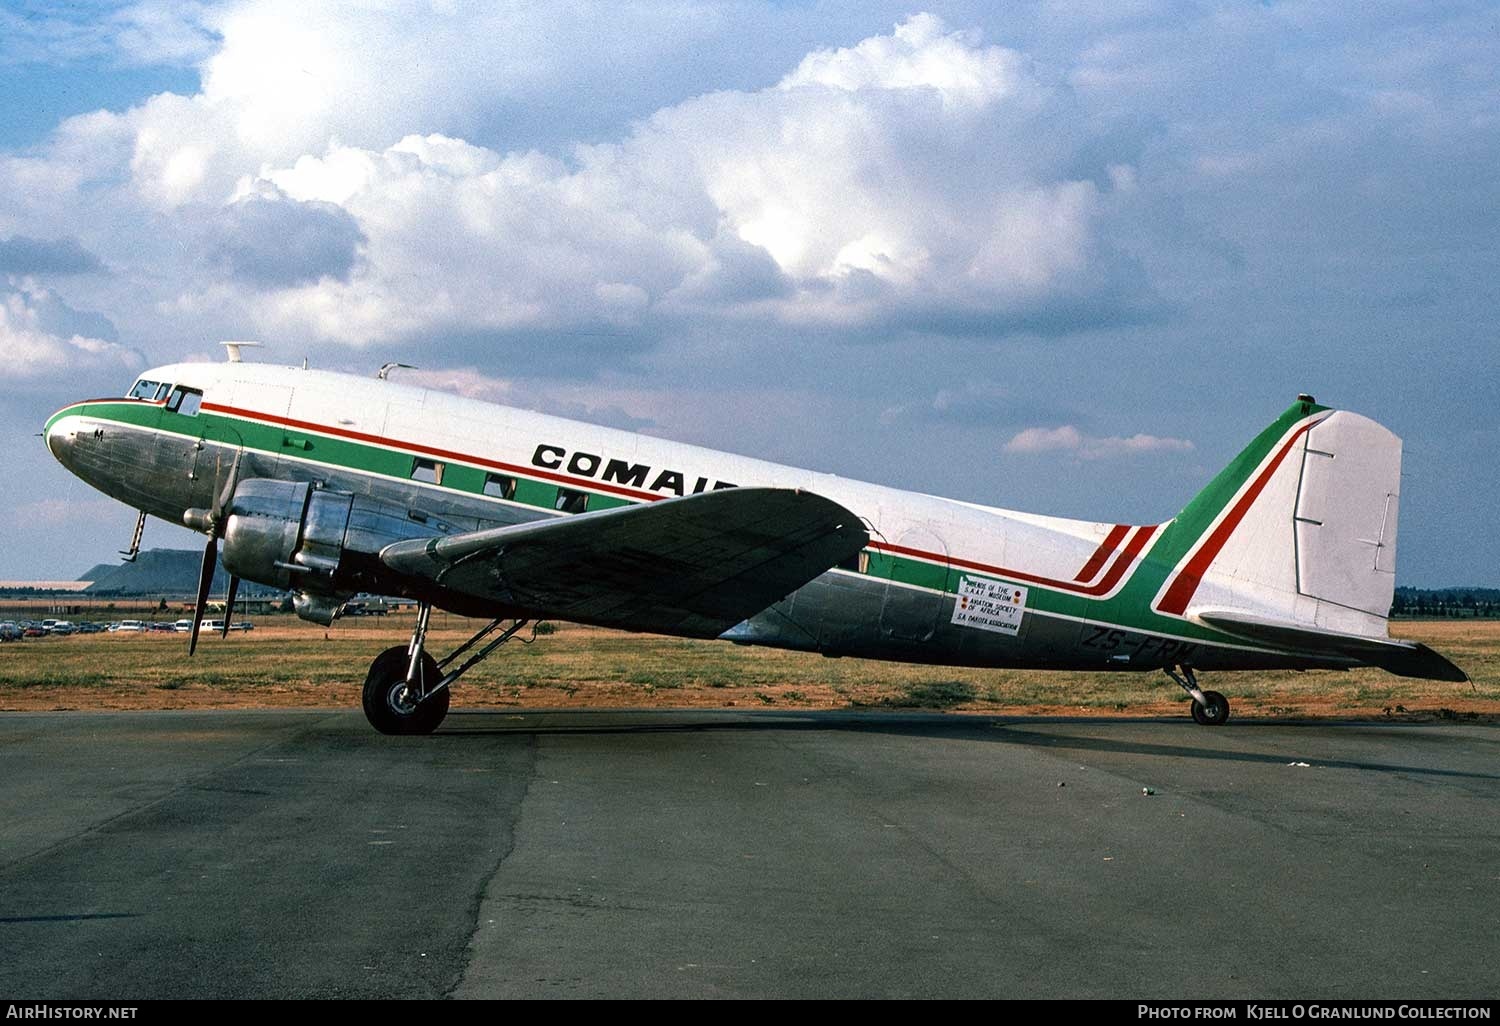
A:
x: 1060, y: 257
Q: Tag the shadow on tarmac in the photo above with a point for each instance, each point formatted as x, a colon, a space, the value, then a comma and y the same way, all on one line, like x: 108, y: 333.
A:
x: 989, y: 729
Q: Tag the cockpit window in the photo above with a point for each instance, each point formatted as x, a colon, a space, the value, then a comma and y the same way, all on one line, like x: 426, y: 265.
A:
x: 146, y: 389
x: 161, y: 391
x: 185, y: 401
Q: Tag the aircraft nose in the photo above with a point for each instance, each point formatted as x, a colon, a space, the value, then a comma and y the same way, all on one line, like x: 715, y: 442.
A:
x: 62, y: 436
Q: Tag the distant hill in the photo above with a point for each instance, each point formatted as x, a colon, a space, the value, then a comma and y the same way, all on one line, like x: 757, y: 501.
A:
x: 162, y: 572
x: 98, y: 571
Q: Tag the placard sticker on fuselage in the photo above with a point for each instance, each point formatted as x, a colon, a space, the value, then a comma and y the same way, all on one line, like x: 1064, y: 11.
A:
x: 989, y: 605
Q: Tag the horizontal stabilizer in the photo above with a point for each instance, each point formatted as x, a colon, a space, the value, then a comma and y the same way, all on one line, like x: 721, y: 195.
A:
x: 1403, y: 658
x: 696, y: 566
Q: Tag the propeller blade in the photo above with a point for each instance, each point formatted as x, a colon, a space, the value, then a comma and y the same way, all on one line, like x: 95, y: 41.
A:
x: 234, y: 587
x: 226, y: 494
x: 205, y: 581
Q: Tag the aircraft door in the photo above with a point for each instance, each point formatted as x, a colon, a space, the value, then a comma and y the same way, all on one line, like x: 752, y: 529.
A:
x: 184, y: 457
x: 916, y: 586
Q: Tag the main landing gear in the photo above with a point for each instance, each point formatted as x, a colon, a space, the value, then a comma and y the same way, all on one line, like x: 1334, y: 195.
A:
x: 1209, y: 707
x: 406, y: 691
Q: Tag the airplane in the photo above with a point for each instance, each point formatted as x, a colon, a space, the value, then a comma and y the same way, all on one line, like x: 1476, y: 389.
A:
x: 328, y: 485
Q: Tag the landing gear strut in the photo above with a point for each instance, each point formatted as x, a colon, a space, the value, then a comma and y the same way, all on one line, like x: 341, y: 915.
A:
x: 407, y: 690
x: 1209, y: 707
x: 135, y: 543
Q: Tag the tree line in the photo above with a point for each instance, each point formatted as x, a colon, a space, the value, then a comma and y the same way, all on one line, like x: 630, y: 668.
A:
x: 1446, y: 602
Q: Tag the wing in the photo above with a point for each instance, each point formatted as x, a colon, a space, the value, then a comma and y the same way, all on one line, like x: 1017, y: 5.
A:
x: 697, y: 565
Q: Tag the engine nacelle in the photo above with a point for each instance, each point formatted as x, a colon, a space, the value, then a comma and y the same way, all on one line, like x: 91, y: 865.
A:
x: 289, y: 534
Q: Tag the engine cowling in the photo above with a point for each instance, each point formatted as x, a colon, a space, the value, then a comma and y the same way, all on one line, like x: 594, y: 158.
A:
x: 317, y: 542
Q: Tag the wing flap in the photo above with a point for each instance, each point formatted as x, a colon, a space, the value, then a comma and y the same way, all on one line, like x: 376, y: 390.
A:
x: 1403, y: 658
x: 697, y: 565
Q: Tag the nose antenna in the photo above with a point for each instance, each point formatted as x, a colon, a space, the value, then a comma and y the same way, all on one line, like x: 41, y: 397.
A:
x: 232, y: 349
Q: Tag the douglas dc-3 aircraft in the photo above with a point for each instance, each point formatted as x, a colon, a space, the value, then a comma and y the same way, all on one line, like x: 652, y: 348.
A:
x: 328, y: 485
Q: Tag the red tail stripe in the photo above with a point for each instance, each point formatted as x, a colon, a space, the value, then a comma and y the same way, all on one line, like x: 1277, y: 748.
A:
x: 1096, y: 561
x: 1185, y: 584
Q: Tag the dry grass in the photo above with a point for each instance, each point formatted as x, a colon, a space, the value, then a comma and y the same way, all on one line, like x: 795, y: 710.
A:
x: 287, y: 663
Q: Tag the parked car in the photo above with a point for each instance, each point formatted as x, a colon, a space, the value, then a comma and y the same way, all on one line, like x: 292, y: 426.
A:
x: 183, y: 626
x: 34, y: 631
x: 242, y: 625
x: 128, y: 627
x: 10, y: 631
x: 162, y: 628
x: 63, y: 627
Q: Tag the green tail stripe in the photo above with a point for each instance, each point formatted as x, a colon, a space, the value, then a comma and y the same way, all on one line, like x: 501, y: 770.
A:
x: 1197, y: 516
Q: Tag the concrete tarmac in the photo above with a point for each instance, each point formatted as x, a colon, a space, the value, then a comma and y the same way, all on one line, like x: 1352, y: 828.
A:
x: 738, y: 854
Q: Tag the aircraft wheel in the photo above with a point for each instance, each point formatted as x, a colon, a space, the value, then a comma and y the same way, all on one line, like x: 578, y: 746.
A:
x: 387, y: 706
x: 1213, y: 714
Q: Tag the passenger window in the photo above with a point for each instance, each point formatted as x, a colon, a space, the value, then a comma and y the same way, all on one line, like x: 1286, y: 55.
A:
x: 500, y: 486
x: 429, y: 471
x: 185, y: 401
x: 570, y: 501
x: 144, y: 390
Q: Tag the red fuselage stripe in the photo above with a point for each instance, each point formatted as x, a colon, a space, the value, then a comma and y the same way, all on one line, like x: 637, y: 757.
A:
x: 1096, y: 561
x: 1116, y: 571
x: 1185, y: 584
x: 427, y: 450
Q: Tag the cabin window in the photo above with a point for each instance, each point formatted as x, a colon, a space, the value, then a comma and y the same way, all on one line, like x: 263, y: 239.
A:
x: 500, y: 486
x: 144, y: 389
x: 185, y: 401
x: 858, y: 563
x: 570, y: 501
x: 430, y: 471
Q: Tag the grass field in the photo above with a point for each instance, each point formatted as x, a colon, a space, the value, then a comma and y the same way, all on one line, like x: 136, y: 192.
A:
x: 286, y: 662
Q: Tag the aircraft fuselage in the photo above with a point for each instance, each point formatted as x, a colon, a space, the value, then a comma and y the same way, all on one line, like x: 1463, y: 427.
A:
x: 941, y: 581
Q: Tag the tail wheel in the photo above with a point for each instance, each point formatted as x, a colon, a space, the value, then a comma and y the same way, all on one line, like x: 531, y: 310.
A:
x: 389, y: 704
x: 1212, y: 713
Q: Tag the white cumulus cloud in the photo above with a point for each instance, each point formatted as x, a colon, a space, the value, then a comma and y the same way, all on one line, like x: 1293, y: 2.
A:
x: 922, y: 178
x: 1070, y: 439
x: 37, y: 341
x: 913, y: 171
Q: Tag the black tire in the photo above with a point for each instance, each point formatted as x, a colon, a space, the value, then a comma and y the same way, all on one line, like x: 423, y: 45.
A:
x: 385, y: 701
x: 1215, y: 713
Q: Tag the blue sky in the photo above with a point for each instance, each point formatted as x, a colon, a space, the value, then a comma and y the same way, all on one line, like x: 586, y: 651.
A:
x: 1057, y: 257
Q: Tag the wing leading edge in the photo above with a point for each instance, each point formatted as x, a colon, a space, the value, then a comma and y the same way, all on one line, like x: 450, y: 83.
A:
x: 697, y: 565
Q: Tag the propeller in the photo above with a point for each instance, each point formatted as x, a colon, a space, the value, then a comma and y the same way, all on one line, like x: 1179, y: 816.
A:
x: 234, y: 587
x: 215, y: 526
x: 205, y: 581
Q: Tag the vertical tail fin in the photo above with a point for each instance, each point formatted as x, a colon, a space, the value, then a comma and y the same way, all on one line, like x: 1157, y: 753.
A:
x: 1300, y: 527
x: 1294, y: 543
